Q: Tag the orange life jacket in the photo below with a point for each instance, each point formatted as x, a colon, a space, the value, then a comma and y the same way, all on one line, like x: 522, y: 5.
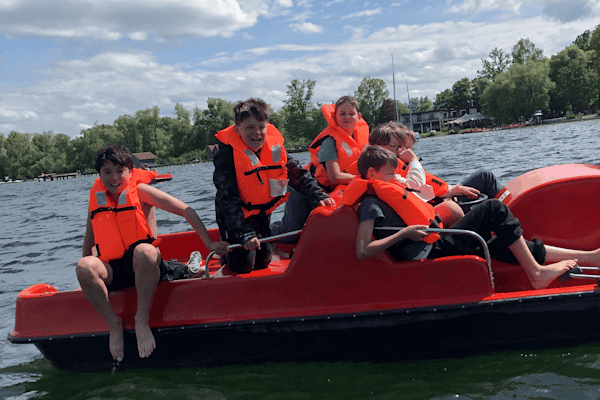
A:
x: 439, y: 187
x: 261, y: 180
x: 407, y: 205
x: 348, y: 148
x: 122, y: 225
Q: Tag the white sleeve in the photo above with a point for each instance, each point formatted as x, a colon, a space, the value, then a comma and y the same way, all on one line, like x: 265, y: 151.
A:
x: 416, y: 175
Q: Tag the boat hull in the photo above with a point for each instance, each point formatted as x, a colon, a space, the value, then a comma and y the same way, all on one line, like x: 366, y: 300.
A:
x: 393, y: 335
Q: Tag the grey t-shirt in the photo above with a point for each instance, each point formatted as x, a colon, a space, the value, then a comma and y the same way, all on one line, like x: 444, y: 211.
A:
x: 327, y: 151
x: 384, y: 215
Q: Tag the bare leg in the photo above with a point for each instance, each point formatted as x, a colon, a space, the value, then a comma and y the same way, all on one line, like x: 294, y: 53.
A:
x: 590, y: 258
x: 450, y: 212
x: 540, y: 276
x: 146, y: 259
x: 93, y: 274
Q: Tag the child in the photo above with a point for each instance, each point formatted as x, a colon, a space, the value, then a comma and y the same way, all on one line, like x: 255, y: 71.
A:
x: 399, y: 140
x: 412, y: 243
x: 251, y: 175
x: 338, y: 145
x: 482, y: 181
x: 117, y: 248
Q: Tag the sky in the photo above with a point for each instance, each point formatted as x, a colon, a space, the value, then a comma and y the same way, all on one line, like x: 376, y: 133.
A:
x: 67, y: 64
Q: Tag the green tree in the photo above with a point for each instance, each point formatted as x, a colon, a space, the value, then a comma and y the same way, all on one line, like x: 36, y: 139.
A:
x: 576, y: 83
x: 461, y: 93
x: 525, y: 51
x: 299, y: 110
x: 370, y: 95
x: 444, y: 100
x: 583, y: 41
x: 498, y: 62
x: 478, y: 86
x: 425, y: 104
x: 209, y: 122
x: 518, y: 92
x: 20, y: 155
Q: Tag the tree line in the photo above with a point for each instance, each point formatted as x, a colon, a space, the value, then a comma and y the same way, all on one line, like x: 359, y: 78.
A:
x: 508, y: 87
x: 512, y: 86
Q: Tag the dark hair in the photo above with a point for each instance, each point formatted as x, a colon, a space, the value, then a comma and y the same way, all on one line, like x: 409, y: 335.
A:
x: 376, y: 157
x: 256, y: 108
x: 117, y: 155
x: 382, y: 134
x: 346, y: 99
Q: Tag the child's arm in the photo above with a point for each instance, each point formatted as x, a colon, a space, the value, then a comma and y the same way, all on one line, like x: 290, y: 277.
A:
x: 151, y: 195
x: 415, y: 177
x: 367, y: 247
x: 88, y: 240
x: 336, y: 176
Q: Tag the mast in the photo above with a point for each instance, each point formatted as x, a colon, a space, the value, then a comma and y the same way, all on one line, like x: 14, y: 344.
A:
x: 394, y: 83
x: 409, y: 105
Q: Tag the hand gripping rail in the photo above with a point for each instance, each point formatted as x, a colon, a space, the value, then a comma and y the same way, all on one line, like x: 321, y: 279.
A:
x: 484, y: 246
x: 261, y: 240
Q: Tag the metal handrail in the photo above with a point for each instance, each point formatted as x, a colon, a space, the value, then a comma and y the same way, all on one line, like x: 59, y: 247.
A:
x: 261, y: 240
x: 486, y: 251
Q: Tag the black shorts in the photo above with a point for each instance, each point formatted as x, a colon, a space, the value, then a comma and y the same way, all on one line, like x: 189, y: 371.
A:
x: 123, y: 275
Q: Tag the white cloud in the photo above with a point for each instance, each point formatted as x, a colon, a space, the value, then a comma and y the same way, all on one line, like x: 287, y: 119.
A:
x: 111, y: 20
x: 365, y: 13
x: 475, y: 6
x: 18, y: 115
x: 307, y: 27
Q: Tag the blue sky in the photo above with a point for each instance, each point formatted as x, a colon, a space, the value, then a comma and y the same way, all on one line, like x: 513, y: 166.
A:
x: 67, y: 64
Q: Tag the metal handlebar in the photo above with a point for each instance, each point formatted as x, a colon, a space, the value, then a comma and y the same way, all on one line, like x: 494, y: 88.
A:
x: 486, y: 251
x: 261, y: 240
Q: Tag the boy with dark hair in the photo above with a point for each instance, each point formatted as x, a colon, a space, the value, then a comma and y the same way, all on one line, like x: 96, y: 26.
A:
x: 252, y: 173
x: 392, y: 206
x: 118, y: 248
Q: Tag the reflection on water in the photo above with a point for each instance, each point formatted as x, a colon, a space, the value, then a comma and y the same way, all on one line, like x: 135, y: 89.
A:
x: 41, y: 230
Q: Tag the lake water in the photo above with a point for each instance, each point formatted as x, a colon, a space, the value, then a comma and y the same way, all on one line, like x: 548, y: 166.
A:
x: 41, y: 231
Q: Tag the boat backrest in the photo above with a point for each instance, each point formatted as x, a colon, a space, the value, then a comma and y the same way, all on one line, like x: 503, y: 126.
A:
x: 558, y: 204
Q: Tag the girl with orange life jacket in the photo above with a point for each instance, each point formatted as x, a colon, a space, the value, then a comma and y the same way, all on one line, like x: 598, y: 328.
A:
x: 338, y: 145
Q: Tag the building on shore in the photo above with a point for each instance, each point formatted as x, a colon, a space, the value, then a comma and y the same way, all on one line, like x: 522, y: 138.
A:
x: 144, y: 160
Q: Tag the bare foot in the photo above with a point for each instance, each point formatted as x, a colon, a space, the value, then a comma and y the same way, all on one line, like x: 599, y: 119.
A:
x: 145, y: 339
x: 547, y: 273
x: 115, y: 342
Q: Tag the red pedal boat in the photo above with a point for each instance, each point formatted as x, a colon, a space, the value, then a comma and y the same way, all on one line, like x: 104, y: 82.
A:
x: 325, y: 304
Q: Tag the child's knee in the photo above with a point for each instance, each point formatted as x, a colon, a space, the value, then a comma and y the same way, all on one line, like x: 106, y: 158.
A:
x: 87, y: 268
x: 146, y: 251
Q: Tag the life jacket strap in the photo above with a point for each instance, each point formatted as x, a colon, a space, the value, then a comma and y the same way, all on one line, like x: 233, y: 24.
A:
x: 262, y: 168
x: 111, y: 209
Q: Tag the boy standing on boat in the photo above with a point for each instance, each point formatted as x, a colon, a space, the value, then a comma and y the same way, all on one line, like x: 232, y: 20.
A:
x: 390, y: 204
x: 118, y: 248
x: 252, y: 172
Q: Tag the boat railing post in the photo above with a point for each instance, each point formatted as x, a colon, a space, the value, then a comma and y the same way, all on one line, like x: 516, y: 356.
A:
x: 261, y: 240
x: 484, y: 246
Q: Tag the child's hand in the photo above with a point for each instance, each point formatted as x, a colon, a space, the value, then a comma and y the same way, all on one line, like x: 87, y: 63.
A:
x: 252, y: 244
x: 219, y: 247
x: 407, y: 156
x: 470, y: 192
x: 415, y: 232
x: 327, y: 202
